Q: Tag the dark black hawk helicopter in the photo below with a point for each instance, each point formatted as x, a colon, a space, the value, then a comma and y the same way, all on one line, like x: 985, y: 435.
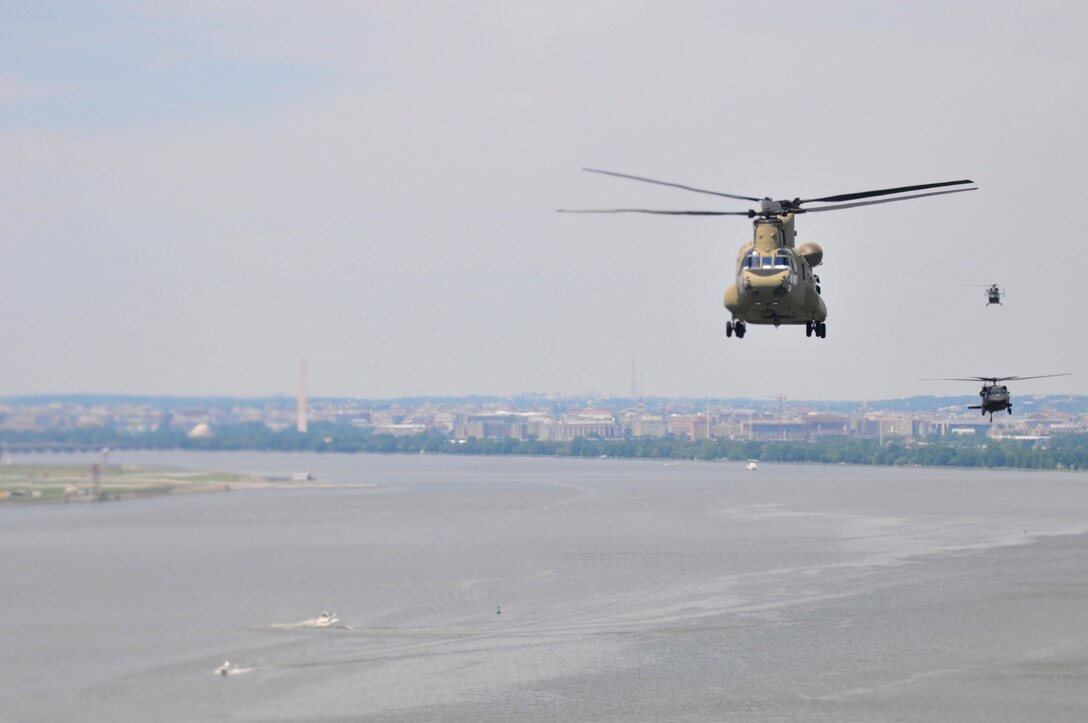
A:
x: 995, y: 397
x: 993, y: 292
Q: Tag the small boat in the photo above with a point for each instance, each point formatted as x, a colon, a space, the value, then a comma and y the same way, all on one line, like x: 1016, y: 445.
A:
x: 326, y: 619
x: 751, y: 466
x: 229, y: 668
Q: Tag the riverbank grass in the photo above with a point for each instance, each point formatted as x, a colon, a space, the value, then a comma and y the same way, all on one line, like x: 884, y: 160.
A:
x: 44, y: 484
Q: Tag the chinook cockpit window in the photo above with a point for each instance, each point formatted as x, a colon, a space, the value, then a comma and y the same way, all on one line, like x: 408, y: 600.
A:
x: 776, y: 262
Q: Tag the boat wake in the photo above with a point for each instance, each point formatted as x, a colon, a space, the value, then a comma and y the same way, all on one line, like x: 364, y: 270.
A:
x: 324, y: 620
x: 227, y: 668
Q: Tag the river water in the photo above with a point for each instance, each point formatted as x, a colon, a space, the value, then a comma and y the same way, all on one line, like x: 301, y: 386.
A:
x: 628, y: 591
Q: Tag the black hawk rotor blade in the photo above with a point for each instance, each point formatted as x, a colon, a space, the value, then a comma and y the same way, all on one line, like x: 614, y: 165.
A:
x: 993, y: 379
x: 1038, y: 376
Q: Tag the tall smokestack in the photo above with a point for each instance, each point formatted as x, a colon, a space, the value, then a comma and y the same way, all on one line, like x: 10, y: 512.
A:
x: 302, y: 396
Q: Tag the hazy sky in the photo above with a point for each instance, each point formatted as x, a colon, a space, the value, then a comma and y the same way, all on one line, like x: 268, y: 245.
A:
x: 194, y: 195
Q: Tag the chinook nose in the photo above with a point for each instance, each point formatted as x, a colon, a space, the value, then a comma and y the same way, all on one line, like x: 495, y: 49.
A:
x: 761, y: 281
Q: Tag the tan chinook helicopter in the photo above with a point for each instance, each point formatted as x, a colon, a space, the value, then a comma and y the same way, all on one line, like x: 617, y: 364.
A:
x: 775, y: 282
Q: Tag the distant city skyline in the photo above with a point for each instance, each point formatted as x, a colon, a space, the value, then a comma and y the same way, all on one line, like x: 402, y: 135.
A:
x: 370, y: 425
x: 196, y: 196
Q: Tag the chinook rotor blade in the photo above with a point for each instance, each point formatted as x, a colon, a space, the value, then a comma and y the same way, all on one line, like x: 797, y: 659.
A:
x: 885, y: 192
x: 673, y: 185
x: 881, y: 200
x: 650, y: 210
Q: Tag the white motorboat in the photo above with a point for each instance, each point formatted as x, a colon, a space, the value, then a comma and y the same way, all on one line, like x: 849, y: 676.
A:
x: 326, y: 619
x: 751, y: 466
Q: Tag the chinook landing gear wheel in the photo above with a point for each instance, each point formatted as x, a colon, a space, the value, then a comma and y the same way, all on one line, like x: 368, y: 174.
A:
x: 740, y: 327
x: 1009, y: 409
x: 808, y: 328
x: 820, y: 328
x: 728, y: 328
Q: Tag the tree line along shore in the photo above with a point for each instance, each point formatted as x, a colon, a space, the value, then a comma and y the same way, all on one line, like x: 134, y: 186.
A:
x: 1066, y: 451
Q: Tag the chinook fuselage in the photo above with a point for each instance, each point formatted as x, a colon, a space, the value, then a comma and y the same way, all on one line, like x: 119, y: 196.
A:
x: 775, y: 281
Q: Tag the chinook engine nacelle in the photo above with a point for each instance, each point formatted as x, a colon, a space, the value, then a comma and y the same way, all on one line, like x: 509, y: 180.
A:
x: 813, y: 253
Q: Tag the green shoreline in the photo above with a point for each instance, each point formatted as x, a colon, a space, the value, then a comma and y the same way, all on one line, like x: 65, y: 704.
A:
x: 63, y: 484
x: 44, y: 484
x: 1065, y: 451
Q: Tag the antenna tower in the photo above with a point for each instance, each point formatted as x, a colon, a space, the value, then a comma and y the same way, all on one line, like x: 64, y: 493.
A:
x: 302, y: 396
